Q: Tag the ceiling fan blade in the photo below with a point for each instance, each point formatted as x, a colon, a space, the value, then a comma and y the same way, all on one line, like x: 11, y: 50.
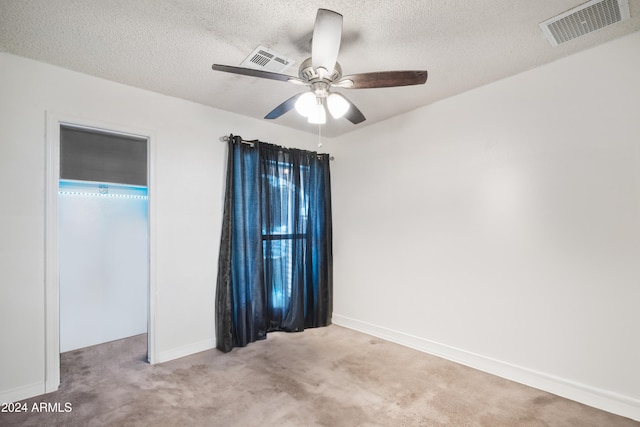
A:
x: 325, y: 44
x: 382, y: 79
x: 285, y: 107
x: 354, y: 115
x: 256, y: 73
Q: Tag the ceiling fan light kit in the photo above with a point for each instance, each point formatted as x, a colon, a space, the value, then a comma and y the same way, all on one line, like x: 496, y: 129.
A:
x: 311, y: 106
x: 338, y: 106
x: 321, y: 72
x: 317, y: 116
x: 305, y: 103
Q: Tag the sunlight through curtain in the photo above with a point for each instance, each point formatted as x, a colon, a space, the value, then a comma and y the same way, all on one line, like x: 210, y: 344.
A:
x: 275, y: 264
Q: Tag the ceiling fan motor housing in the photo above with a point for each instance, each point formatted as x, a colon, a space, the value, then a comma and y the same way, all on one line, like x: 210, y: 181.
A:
x: 309, y: 74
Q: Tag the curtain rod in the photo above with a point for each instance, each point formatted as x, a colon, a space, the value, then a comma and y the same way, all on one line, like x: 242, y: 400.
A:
x: 226, y: 138
x: 252, y: 143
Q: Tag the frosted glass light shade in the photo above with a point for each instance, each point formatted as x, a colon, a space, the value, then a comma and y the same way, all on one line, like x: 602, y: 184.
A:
x: 338, y: 106
x: 305, y: 104
x: 318, y: 116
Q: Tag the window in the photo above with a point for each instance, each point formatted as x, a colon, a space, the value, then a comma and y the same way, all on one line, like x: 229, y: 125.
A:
x: 275, y: 264
x: 284, y: 229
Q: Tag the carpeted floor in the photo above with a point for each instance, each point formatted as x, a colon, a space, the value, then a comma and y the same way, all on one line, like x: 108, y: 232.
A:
x: 322, y: 377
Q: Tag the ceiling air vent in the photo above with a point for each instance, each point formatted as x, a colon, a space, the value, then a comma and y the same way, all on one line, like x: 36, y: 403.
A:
x: 584, y: 19
x: 267, y: 60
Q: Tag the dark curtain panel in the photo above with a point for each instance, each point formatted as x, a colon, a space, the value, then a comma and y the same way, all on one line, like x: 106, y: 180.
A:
x: 320, y: 306
x: 240, y: 297
x: 275, y: 266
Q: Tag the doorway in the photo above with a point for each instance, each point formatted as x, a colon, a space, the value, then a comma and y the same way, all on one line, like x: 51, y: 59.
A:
x: 99, y: 234
x: 103, y: 249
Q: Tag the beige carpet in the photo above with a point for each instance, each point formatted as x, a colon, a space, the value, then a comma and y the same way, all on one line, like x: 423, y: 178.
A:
x: 322, y: 377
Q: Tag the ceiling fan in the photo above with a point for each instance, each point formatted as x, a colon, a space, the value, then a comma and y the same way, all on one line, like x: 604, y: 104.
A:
x: 321, y: 73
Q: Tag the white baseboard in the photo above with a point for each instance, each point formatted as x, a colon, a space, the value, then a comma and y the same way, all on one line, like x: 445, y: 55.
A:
x: 185, y: 350
x: 22, y: 392
x: 598, y: 398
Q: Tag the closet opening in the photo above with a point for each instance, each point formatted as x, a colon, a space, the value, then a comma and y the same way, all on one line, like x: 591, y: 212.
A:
x: 98, y: 240
x: 103, y: 237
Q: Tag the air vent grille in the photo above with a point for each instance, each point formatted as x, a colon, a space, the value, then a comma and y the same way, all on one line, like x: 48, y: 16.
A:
x: 261, y: 58
x: 584, y: 19
x: 264, y: 59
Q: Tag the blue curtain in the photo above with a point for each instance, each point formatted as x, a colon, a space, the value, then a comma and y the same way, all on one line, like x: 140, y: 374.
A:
x: 275, y: 265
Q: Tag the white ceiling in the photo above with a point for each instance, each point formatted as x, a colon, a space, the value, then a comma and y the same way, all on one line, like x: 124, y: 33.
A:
x: 168, y: 46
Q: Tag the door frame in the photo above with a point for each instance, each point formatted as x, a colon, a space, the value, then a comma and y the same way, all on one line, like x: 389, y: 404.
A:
x: 52, y: 284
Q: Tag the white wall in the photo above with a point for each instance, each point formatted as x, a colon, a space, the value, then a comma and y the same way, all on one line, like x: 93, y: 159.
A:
x: 501, y: 227
x: 188, y: 160
x: 103, y: 258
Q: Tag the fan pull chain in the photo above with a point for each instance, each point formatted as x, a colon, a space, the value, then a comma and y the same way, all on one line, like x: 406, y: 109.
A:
x: 319, y: 135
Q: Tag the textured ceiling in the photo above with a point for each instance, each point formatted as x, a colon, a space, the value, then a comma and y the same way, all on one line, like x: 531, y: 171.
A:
x: 168, y: 46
